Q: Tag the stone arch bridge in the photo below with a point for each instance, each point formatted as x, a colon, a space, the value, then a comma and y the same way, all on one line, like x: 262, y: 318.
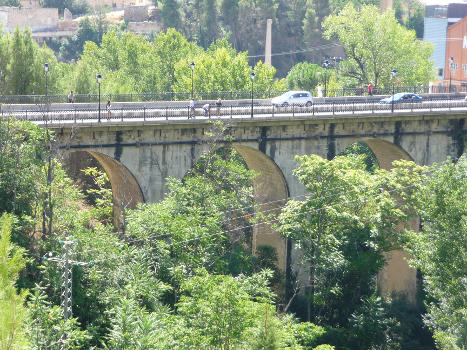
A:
x: 139, y: 156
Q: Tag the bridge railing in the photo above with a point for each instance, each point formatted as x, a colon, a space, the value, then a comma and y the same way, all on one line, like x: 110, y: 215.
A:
x: 171, y: 113
x: 224, y: 95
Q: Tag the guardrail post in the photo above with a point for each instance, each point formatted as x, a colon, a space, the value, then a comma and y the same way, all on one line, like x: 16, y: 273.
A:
x: 333, y: 108
x: 353, y: 107
x: 166, y: 113
x: 74, y: 119
x: 293, y: 110
x: 144, y: 113
x: 122, y: 114
x: 26, y: 114
x: 231, y: 111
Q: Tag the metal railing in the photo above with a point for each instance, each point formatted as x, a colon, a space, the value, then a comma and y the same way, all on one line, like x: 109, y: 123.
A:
x: 171, y: 113
x: 224, y: 95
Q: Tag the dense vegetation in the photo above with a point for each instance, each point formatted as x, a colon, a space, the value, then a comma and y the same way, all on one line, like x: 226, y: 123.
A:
x: 132, y: 63
x: 182, y: 274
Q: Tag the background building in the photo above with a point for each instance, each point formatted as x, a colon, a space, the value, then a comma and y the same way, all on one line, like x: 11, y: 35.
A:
x: 455, y: 69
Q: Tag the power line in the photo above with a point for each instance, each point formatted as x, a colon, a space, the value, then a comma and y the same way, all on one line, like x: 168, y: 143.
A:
x: 66, y: 263
x: 311, y: 49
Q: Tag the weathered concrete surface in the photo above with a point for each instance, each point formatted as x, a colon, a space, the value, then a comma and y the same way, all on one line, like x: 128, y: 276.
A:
x: 152, y: 152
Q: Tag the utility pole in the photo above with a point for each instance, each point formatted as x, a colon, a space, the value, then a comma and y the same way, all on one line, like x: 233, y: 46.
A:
x: 66, y: 263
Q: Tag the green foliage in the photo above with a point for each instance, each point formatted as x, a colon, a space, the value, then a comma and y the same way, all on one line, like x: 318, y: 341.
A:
x: 90, y: 29
x: 303, y: 76
x: 101, y: 195
x: 220, y: 68
x: 308, y: 334
x: 416, y: 17
x: 343, y: 228
x: 222, y: 312
x: 47, y: 328
x: 361, y: 149
x: 23, y: 64
x: 375, y: 44
x: 438, y: 250
x: 14, y: 3
x: 372, y: 327
x: 22, y: 151
x: 134, y: 328
x: 77, y: 7
x: 170, y: 14
x: 196, y: 224
x: 12, y: 310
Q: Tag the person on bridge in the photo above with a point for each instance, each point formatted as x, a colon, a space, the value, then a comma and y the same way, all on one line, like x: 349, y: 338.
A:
x: 206, y: 109
x: 370, y: 89
x: 107, y: 106
x: 192, y: 109
x: 320, y: 91
x: 218, y: 106
x: 71, y: 97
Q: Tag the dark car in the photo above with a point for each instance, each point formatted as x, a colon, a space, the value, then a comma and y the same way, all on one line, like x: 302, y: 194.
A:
x: 402, y: 97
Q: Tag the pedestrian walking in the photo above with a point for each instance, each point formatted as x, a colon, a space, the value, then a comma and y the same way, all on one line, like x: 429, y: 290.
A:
x: 107, y: 106
x: 71, y: 97
x: 218, y: 106
x: 192, y: 109
x: 320, y: 91
x: 206, y: 109
x: 370, y: 89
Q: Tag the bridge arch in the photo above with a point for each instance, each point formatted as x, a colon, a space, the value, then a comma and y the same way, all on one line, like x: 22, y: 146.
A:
x: 271, y: 193
x: 396, y: 277
x: 126, y: 191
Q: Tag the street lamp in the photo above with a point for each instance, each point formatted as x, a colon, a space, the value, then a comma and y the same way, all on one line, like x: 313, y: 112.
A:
x: 325, y: 65
x: 393, y: 72
x: 46, y: 70
x: 252, y: 75
x: 451, y: 66
x: 99, y: 80
x: 192, y: 65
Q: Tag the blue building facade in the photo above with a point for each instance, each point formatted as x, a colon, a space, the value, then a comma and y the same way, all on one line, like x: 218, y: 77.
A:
x: 435, y: 31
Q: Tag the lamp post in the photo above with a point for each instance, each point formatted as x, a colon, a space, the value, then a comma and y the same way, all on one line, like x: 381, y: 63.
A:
x: 192, y: 65
x: 451, y: 66
x: 46, y: 70
x: 393, y: 72
x: 99, y: 80
x: 325, y: 65
x: 252, y: 75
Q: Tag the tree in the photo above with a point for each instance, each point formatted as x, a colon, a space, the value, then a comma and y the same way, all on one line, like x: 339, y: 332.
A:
x: 12, y: 310
x: 77, y: 7
x: 229, y: 11
x: 14, y: 3
x: 170, y: 14
x: 303, y: 76
x: 22, y: 153
x: 375, y: 44
x: 219, y: 310
x: 416, y: 17
x: 47, y: 327
x: 438, y: 250
x: 349, y: 219
x: 221, y: 68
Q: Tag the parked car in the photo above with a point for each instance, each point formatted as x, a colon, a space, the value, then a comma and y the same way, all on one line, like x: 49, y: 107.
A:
x: 300, y: 98
x: 402, y: 97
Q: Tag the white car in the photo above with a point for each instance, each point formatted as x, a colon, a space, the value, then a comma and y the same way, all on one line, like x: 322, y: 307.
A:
x: 300, y: 98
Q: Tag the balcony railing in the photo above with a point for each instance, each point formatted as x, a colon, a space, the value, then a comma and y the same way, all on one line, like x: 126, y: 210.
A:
x: 140, y: 113
x: 224, y: 95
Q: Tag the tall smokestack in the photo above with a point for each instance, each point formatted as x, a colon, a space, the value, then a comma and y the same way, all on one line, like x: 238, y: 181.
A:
x: 267, y: 50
